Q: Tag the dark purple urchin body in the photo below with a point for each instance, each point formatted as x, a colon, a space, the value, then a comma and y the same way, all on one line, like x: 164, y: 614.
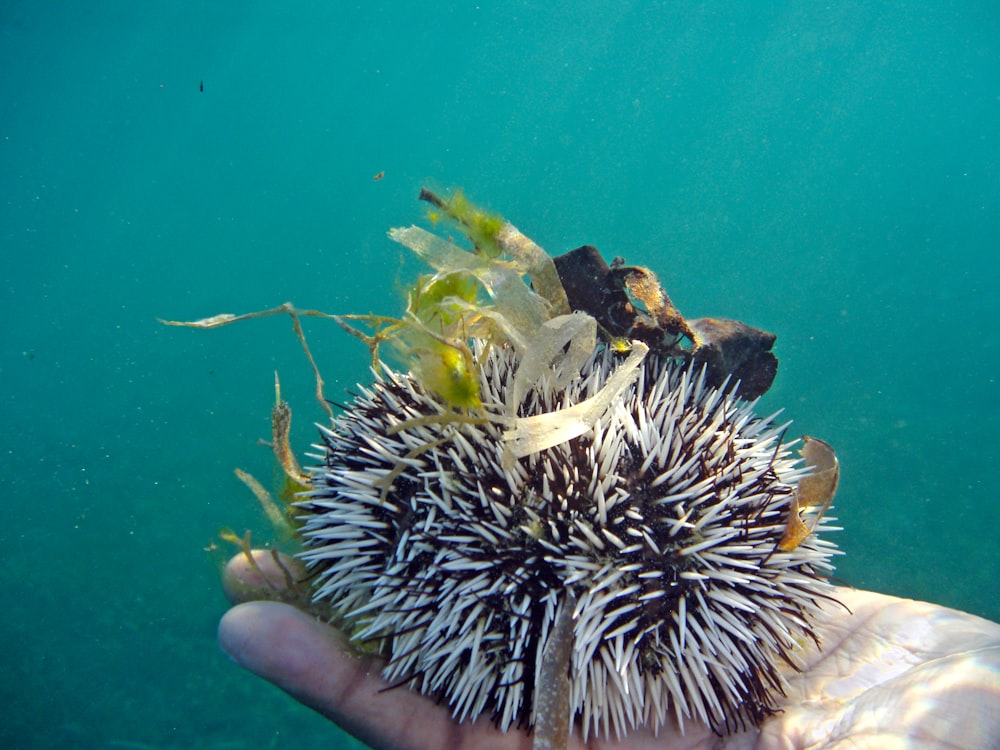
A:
x: 663, y: 521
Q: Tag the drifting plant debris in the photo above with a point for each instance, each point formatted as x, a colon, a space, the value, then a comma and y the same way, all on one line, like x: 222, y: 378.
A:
x: 274, y: 514
x: 815, y: 491
x: 224, y: 319
x: 553, y: 718
x: 281, y: 425
x: 493, y: 235
x: 444, y: 311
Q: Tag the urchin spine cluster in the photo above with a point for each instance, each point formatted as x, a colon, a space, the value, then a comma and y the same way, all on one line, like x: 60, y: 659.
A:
x: 663, y: 522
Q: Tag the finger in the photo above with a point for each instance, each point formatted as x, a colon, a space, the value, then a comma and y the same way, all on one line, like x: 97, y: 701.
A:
x: 313, y: 662
x: 267, y: 577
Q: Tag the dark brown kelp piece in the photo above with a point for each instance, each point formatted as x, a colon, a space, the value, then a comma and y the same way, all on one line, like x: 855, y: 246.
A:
x: 729, y: 348
x: 629, y: 303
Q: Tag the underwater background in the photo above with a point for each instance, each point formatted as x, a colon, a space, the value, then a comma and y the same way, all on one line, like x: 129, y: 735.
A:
x: 831, y: 174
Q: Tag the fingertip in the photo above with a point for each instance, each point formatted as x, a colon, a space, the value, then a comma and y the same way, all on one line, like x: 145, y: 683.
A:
x: 236, y: 631
x: 270, y: 638
x: 266, y: 578
x: 304, y: 657
x: 292, y: 649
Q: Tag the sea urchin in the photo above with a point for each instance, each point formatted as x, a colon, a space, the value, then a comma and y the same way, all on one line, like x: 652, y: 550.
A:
x: 659, y: 527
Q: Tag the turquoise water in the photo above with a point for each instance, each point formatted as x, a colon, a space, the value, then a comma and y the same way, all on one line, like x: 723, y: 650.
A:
x: 830, y: 174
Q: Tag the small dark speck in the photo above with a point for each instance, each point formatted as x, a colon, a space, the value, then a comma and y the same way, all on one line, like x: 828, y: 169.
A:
x: 201, y: 85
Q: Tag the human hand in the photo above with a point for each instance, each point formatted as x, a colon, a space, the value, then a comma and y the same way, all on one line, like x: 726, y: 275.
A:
x: 893, y: 673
